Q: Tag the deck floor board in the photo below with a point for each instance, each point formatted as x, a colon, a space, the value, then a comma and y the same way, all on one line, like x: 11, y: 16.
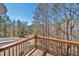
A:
x: 39, y: 52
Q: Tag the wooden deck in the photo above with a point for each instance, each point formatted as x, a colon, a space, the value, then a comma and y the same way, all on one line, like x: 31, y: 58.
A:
x: 39, y: 52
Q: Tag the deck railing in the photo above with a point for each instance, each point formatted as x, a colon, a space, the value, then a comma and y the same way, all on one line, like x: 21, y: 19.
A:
x: 18, y: 48
x: 51, y: 45
x: 58, y: 46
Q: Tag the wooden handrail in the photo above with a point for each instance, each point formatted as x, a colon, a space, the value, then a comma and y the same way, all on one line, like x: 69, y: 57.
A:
x: 14, y: 44
x: 58, y: 40
x: 38, y: 37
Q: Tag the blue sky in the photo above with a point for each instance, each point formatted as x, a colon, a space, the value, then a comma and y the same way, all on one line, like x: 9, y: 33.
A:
x: 21, y: 11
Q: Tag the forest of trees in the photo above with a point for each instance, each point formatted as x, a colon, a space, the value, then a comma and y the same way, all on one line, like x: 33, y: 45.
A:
x: 58, y: 20
x: 14, y: 28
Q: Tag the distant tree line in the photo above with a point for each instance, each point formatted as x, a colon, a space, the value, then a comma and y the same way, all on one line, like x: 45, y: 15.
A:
x: 13, y: 28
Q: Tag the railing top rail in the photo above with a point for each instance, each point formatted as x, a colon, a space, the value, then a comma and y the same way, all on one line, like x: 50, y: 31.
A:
x: 58, y: 40
x: 15, y: 43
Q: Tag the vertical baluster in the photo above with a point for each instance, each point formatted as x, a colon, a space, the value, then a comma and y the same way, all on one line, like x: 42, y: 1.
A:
x: 73, y: 50
x: 70, y: 49
x: 64, y: 50
x: 57, y: 47
x: 54, y: 47
x: 77, y: 50
x: 9, y: 51
x: 36, y: 41
x: 19, y: 49
x: 40, y: 44
x: 4, y: 53
x: 48, y: 45
x: 61, y: 48
x: 0, y: 53
x: 23, y: 49
x: 29, y: 46
x: 13, y: 51
x: 16, y: 50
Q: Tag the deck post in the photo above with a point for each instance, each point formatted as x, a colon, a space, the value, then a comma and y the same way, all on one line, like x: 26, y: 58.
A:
x: 77, y: 50
x: 36, y: 41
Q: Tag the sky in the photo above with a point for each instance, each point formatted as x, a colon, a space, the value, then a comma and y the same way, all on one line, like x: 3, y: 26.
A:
x: 21, y: 11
